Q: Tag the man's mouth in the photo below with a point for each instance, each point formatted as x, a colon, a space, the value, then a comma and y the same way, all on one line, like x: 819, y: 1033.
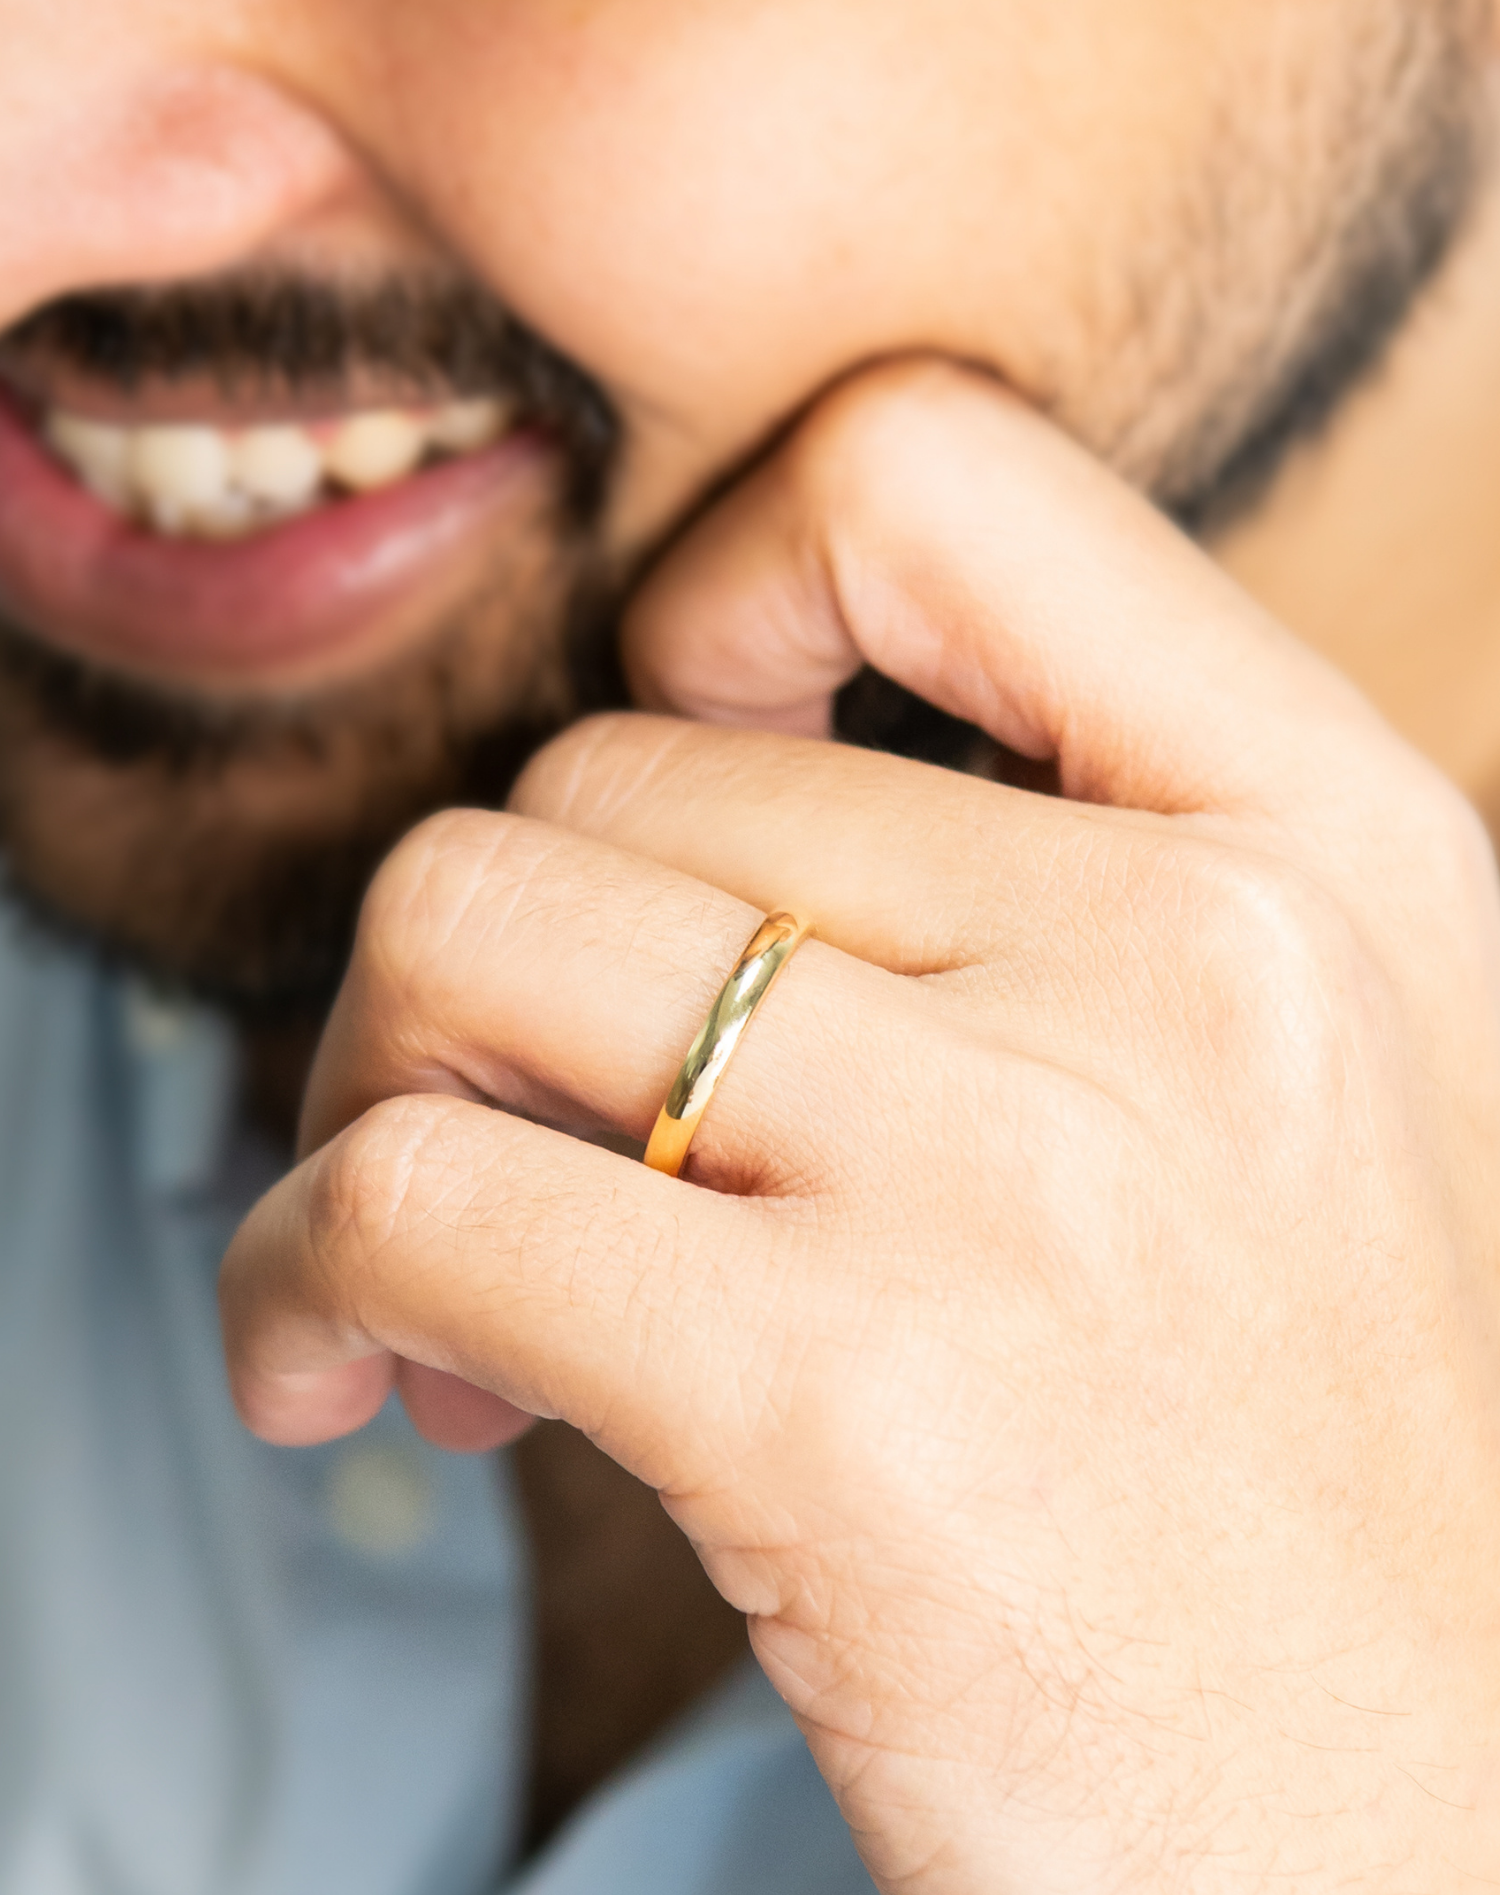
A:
x: 270, y: 551
x: 270, y: 485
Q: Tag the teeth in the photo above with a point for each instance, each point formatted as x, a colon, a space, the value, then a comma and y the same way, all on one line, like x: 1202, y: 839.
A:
x: 181, y: 473
x: 229, y: 516
x: 187, y: 478
x: 98, y: 455
x: 465, y: 426
x: 278, y: 468
x: 373, y: 450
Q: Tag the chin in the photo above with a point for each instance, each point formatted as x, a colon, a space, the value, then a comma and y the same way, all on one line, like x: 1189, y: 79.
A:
x: 224, y: 848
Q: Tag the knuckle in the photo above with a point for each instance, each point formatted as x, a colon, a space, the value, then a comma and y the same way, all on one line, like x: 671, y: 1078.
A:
x: 400, y: 895
x: 426, y: 895
x: 1421, y: 864
x: 591, y: 762
x: 1453, y: 845
x: 1282, y: 987
x: 369, y: 1184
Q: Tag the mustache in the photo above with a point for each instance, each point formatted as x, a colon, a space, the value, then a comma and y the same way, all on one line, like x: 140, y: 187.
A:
x: 437, y: 334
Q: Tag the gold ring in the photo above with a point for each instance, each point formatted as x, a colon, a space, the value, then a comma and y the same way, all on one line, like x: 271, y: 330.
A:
x: 775, y: 942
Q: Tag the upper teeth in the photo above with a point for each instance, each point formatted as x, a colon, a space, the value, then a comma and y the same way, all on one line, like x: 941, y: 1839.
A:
x: 188, y: 478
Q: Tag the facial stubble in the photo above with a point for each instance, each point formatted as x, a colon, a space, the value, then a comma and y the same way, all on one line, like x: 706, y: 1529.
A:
x: 1344, y: 161
x: 229, y: 860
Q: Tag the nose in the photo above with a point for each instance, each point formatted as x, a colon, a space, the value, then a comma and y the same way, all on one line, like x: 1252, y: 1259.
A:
x: 113, y: 170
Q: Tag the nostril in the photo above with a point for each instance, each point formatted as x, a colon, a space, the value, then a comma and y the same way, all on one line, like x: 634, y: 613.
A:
x: 188, y: 172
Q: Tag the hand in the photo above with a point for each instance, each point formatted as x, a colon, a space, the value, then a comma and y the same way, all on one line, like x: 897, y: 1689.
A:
x: 1074, y: 1345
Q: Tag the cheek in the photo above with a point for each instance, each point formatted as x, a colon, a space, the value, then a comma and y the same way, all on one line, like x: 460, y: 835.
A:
x: 718, y: 208
x: 672, y: 207
x: 715, y: 208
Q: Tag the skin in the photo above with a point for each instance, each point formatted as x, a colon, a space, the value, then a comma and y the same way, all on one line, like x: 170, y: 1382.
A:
x: 1178, y: 1515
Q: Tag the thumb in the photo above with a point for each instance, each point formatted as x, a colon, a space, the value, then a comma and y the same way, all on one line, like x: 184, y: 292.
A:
x: 925, y: 523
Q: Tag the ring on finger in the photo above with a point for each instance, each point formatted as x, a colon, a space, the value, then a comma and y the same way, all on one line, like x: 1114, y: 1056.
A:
x: 755, y: 973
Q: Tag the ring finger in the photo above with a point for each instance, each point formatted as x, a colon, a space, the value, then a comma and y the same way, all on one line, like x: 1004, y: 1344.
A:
x: 508, y: 960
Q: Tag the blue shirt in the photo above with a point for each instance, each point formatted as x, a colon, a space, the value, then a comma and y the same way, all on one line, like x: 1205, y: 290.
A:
x: 228, y: 1669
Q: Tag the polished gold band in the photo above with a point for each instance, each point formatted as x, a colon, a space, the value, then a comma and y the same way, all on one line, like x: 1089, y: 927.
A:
x: 755, y: 972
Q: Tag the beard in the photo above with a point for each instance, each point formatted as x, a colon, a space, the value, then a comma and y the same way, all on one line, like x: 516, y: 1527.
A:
x: 225, y: 851
x: 1344, y: 162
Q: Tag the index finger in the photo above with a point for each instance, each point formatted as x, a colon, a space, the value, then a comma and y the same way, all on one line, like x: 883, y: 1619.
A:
x: 927, y: 524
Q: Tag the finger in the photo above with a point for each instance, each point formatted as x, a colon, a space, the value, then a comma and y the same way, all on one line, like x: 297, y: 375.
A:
x: 927, y: 524
x: 565, y: 1280
x: 453, y: 1414
x: 917, y: 869
x: 513, y: 961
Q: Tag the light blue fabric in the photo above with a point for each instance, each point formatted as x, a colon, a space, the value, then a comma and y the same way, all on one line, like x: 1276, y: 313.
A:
x: 730, y: 1804
x: 232, y: 1670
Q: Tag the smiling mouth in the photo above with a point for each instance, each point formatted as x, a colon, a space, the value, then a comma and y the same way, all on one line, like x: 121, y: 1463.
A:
x: 271, y: 485
x: 277, y: 555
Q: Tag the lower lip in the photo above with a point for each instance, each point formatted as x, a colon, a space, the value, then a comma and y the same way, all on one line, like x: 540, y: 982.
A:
x: 334, y: 589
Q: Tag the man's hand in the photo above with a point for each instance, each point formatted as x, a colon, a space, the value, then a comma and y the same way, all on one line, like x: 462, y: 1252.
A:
x: 1074, y: 1343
